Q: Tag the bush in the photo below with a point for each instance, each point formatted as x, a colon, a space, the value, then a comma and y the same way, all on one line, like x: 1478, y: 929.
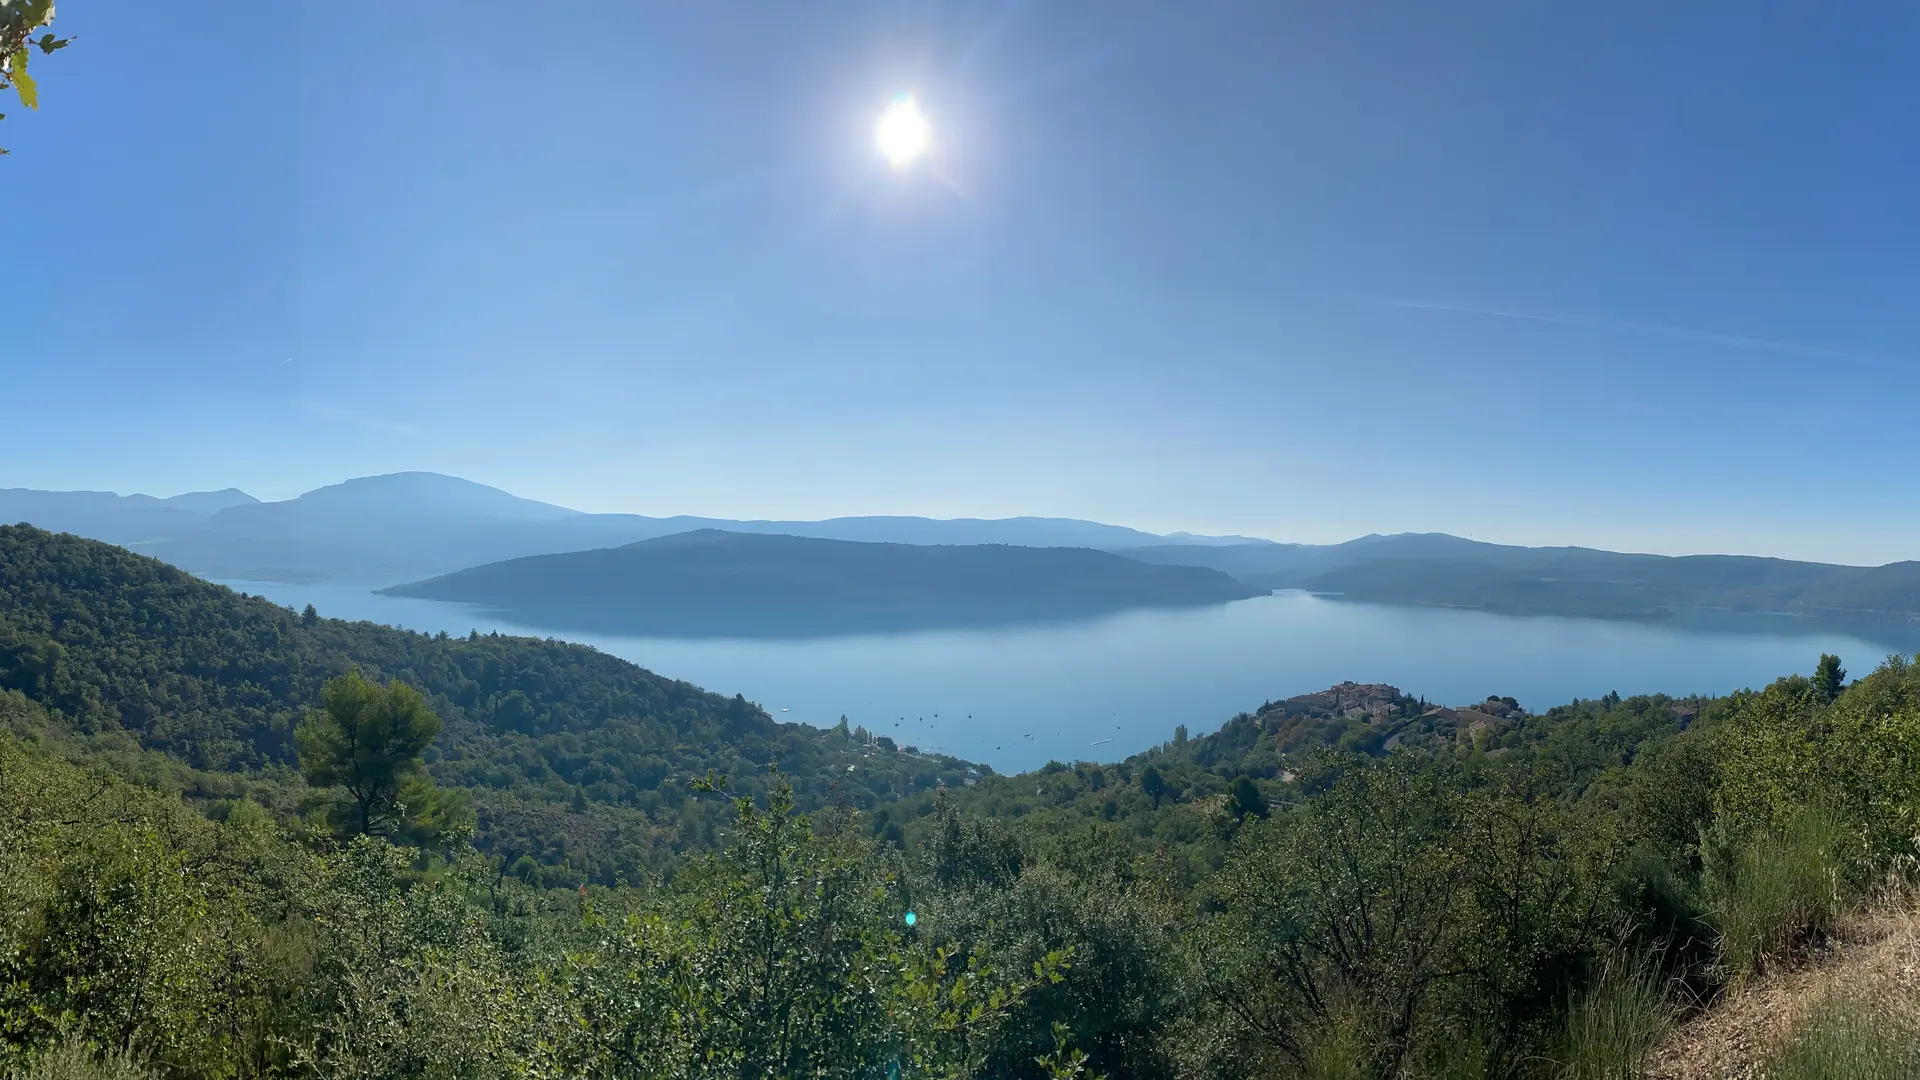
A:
x: 1288, y: 952
x: 1338, y: 1050
x: 1771, y: 889
x: 1472, y: 1052
x: 1669, y: 917
x: 73, y: 1059
x: 1785, y: 749
x: 1610, y: 1032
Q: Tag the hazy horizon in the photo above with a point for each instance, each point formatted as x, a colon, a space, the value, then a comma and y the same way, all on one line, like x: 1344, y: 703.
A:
x: 1614, y: 278
x: 1173, y: 531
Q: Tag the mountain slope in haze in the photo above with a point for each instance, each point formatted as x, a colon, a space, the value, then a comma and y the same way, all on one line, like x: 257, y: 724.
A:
x: 1450, y: 571
x: 1284, y: 566
x: 17, y: 500
x: 715, y: 582
x: 577, y: 759
x: 117, y: 518
x: 375, y: 529
x: 206, y: 502
x: 379, y: 530
x: 411, y: 526
x: 418, y: 495
x: 1017, y: 531
x: 1573, y: 581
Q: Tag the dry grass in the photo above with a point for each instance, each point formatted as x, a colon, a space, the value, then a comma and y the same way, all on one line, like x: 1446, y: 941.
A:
x: 1871, y: 957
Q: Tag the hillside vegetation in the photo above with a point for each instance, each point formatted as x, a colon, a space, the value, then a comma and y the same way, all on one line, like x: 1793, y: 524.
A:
x: 1499, y: 893
x: 575, y: 759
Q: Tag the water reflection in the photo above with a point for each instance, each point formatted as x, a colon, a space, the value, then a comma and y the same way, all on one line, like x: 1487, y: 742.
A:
x: 1064, y: 690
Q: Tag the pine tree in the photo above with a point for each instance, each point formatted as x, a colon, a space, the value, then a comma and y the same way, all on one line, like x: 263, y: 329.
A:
x: 1829, y: 678
x: 1153, y: 784
x: 1247, y: 798
x: 366, y: 741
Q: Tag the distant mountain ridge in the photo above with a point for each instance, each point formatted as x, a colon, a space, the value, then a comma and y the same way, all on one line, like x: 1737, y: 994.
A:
x: 424, y: 494
x: 405, y: 526
x: 105, y: 511
x: 118, y: 519
x: 199, y: 502
x: 1449, y: 571
x: 714, y: 582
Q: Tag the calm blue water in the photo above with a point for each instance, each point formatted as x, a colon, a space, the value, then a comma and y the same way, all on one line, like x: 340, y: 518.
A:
x: 1106, y: 688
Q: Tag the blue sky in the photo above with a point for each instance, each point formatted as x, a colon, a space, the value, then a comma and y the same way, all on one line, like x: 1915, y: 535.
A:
x: 1615, y: 274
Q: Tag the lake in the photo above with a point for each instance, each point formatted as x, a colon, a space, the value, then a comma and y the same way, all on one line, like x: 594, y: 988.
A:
x: 1105, y: 688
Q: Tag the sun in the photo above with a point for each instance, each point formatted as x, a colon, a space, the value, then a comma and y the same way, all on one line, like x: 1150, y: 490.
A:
x: 902, y: 132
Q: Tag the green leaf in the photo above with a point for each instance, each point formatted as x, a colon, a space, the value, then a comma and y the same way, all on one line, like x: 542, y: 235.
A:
x: 23, y: 83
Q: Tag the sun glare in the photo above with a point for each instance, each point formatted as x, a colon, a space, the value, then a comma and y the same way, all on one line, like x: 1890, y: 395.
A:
x: 902, y: 132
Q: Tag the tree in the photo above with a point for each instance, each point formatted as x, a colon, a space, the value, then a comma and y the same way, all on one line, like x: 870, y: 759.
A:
x: 18, y: 20
x: 788, y: 955
x: 515, y: 712
x: 366, y: 740
x: 1343, y: 919
x: 1247, y: 798
x: 1829, y: 678
x: 310, y: 617
x: 1153, y: 784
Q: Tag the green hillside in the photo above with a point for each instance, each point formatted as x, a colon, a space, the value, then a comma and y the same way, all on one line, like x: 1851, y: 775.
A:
x: 579, y: 760
x: 1349, y: 883
x: 1185, y: 799
x: 1445, y: 911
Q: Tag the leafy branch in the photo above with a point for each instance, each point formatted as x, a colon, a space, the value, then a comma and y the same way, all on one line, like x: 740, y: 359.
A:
x: 18, y: 21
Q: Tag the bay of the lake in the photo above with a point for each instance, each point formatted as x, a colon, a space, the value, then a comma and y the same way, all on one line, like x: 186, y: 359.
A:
x: 1102, y: 689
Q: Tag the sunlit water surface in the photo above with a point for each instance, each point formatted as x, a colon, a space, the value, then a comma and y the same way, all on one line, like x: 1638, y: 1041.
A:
x: 1105, y: 688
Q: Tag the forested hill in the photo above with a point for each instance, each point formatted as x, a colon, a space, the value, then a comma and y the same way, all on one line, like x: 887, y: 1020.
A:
x: 1184, y: 798
x: 1449, y: 571
x: 1554, y: 888
x: 712, y: 581
x: 575, y: 758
